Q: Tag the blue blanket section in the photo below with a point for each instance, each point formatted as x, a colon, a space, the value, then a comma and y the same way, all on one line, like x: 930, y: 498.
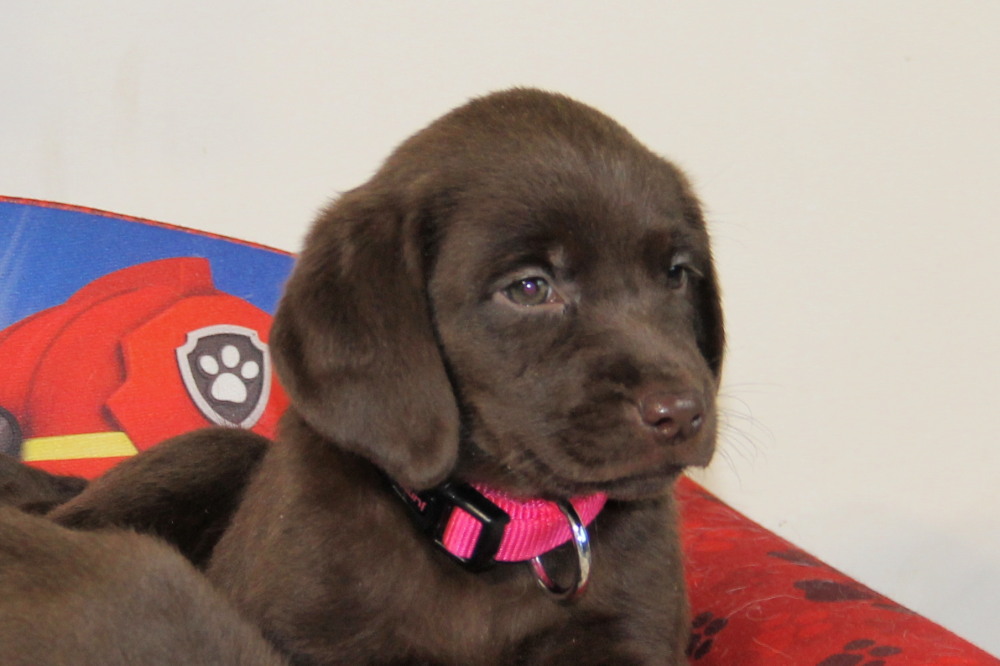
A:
x: 47, y: 254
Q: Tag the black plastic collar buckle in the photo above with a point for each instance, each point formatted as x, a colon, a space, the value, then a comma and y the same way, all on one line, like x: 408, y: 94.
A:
x: 432, y: 509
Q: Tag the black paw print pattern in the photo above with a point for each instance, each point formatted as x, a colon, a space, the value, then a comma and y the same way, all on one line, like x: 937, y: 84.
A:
x: 704, y: 628
x: 863, y: 652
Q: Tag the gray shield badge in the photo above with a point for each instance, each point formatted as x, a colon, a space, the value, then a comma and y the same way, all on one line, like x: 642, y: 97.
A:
x: 227, y: 373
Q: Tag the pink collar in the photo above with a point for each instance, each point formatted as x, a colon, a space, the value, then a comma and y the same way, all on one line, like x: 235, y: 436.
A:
x: 536, y: 526
x: 478, y: 525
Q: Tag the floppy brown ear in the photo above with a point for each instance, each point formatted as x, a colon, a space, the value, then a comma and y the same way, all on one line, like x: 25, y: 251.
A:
x: 354, y: 345
x: 711, y: 331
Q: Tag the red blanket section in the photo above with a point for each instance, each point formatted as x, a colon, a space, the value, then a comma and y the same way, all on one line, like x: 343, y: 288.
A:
x: 757, y: 599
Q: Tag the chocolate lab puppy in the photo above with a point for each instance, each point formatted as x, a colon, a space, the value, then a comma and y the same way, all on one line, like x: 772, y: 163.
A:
x: 501, y: 352
x: 111, y: 596
x: 106, y: 598
x: 33, y: 490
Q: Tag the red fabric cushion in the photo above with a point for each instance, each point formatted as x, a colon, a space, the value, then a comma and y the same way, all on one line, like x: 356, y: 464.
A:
x: 757, y: 599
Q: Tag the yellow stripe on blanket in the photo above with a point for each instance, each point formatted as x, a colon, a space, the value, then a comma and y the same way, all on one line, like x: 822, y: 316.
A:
x: 76, y: 447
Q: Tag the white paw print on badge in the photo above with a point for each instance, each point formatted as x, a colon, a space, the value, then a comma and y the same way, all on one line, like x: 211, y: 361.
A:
x: 231, y: 373
x: 226, y: 372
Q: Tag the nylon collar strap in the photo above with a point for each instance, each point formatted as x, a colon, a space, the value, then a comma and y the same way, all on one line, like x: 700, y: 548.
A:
x: 479, y: 526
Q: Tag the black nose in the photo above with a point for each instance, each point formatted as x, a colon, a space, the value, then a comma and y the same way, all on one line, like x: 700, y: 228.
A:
x: 676, y: 416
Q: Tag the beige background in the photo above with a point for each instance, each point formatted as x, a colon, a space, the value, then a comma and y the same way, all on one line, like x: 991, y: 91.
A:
x: 848, y: 153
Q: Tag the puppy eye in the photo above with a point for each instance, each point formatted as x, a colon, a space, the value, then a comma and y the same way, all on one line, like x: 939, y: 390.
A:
x: 531, y: 291
x: 679, y: 272
x: 677, y: 276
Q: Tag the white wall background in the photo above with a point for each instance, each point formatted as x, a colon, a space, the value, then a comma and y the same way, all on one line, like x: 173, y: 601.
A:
x: 848, y: 153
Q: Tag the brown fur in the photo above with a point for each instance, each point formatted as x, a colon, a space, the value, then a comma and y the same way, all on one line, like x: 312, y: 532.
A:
x: 183, y: 490
x: 400, y: 353
x: 406, y: 353
x: 107, y: 598
x: 33, y: 490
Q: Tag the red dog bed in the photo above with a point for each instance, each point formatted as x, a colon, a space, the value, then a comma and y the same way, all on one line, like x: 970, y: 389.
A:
x: 116, y: 333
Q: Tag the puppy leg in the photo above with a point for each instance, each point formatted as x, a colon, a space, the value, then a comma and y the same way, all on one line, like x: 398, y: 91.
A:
x: 184, y: 490
x: 33, y: 490
x: 112, y: 597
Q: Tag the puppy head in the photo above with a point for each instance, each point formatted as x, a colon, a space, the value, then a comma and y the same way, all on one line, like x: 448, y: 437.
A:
x: 525, y: 268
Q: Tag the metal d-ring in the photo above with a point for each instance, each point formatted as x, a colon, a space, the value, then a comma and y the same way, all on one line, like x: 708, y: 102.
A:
x: 581, y: 543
